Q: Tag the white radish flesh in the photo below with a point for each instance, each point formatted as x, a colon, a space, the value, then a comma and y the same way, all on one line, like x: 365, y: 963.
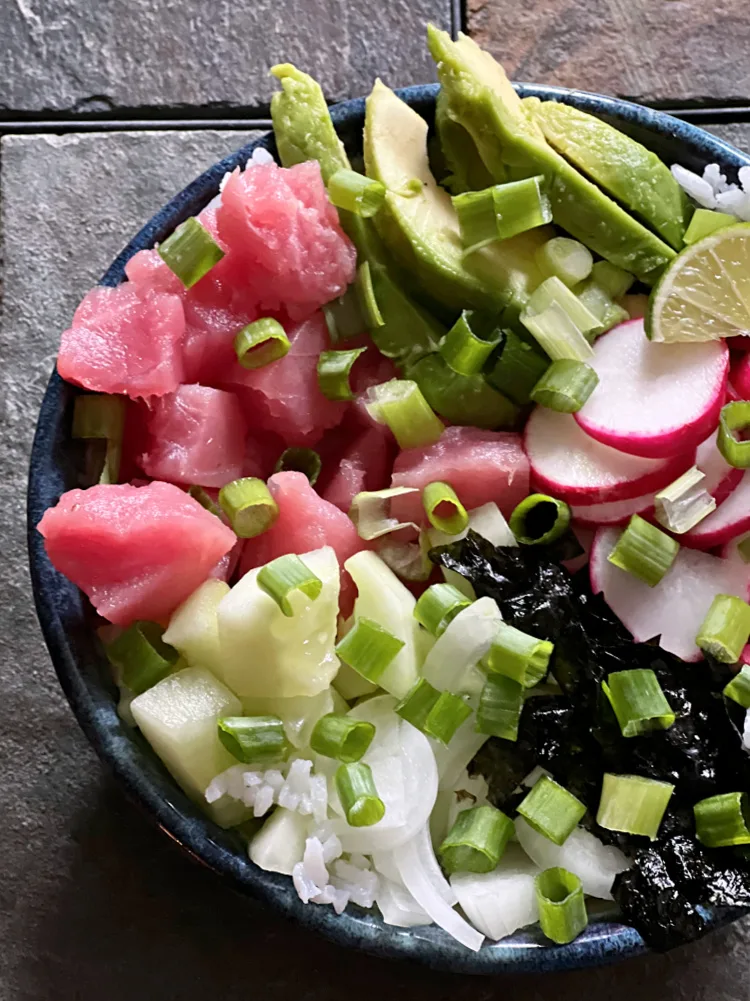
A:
x: 654, y: 400
x: 467, y: 639
x: 721, y: 478
x: 614, y: 513
x: 502, y: 901
x: 729, y: 521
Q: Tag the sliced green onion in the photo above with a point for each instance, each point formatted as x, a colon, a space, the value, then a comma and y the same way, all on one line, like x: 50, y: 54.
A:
x: 467, y: 400
x: 565, y: 386
x: 725, y: 629
x: 359, y: 797
x: 355, y: 193
x: 367, y: 300
x: 300, y: 460
x: 515, y: 654
x: 518, y: 369
x: 476, y: 841
x: 466, y: 346
x: 443, y: 508
x: 644, y: 551
x: 734, y: 416
x: 344, y: 317
x: 260, y: 343
x: 254, y: 739
x: 600, y: 304
x: 401, y: 405
x: 552, y: 291
x: 334, y: 369
x: 684, y: 503
x: 283, y: 576
x: 205, y: 500
x: 437, y: 714
x: 341, y: 737
x: 141, y: 655
x: 562, y: 907
x: 408, y: 560
x: 368, y: 649
x: 551, y: 810
x: 477, y: 218
x: 557, y: 334
x: 500, y: 707
x: 632, y: 804
x: 723, y: 821
x: 738, y: 688
x: 638, y: 702
x: 500, y: 212
x: 249, y: 506
x: 97, y: 416
x: 370, y: 512
x: 438, y: 606
x: 615, y: 281
x: 565, y: 259
x: 705, y: 222
x: 190, y: 252
x: 539, y: 519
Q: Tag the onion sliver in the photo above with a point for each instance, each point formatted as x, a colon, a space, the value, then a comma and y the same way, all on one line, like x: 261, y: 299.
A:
x: 502, y: 901
x: 467, y: 639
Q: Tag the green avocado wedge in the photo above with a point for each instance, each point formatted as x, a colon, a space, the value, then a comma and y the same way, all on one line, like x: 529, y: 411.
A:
x: 481, y: 98
x: 462, y: 399
x: 467, y: 171
x: 419, y: 225
x: 627, y: 171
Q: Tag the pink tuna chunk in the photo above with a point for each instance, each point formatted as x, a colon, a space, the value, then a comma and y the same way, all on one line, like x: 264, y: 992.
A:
x: 354, y: 459
x: 126, y: 341
x: 197, y: 436
x: 280, y: 223
x: 305, y: 522
x: 481, y: 466
x: 137, y: 552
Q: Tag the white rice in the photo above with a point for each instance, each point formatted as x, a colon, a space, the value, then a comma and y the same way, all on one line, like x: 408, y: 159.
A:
x: 713, y: 191
x: 298, y: 790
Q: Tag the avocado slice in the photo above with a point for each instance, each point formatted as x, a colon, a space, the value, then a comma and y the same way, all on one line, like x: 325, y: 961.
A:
x: 480, y: 97
x: 462, y: 399
x: 467, y: 172
x: 627, y: 171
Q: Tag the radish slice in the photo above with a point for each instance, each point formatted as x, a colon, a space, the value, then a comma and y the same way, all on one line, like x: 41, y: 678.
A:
x: 727, y: 522
x: 740, y: 377
x: 654, y: 400
x: 567, y: 463
x: 675, y: 608
x: 721, y: 478
x: 614, y: 513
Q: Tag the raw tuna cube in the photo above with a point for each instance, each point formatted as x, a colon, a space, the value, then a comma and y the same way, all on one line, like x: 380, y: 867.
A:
x: 262, y: 451
x: 137, y: 552
x: 197, y: 436
x: 481, y: 466
x: 353, y: 462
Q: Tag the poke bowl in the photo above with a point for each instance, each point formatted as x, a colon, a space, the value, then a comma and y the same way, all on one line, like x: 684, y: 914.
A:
x: 76, y: 636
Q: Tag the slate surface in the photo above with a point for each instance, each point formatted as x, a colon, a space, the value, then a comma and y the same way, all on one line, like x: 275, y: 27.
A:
x: 94, y: 903
x: 73, y: 55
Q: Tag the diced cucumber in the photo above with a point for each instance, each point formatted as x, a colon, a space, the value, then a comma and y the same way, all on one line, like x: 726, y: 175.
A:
x: 193, y: 628
x: 280, y: 843
x: 352, y: 685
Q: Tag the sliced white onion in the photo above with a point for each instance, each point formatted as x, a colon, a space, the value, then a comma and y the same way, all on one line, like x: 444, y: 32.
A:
x: 502, y: 901
x: 370, y: 512
x: 467, y: 639
x: 398, y: 907
x: 453, y: 759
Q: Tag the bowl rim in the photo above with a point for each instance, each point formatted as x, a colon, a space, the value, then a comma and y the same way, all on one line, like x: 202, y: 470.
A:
x: 58, y: 601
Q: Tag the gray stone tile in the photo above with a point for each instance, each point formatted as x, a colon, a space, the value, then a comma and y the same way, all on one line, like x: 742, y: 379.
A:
x: 73, y: 55
x: 736, y: 133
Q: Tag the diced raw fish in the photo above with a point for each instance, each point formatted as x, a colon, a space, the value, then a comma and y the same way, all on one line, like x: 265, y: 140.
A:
x: 137, y: 552
x: 362, y: 461
x: 262, y: 452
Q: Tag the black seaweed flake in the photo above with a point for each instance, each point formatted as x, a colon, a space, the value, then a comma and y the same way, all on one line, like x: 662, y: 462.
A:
x: 575, y: 737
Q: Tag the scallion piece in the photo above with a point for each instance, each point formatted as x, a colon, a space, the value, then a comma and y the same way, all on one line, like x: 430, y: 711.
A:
x: 300, y: 460
x: 705, y: 222
x: 401, y: 405
x: 141, y: 655
x: 725, y: 629
x: 518, y: 369
x: 370, y: 512
x: 557, y: 334
x: 615, y: 281
x: 368, y: 649
x: 565, y: 259
x: 355, y: 193
x: 477, y: 218
x: 437, y: 714
x: 734, y: 416
x: 334, y: 369
x: 684, y: 503
x: 500, y: 212
x: 254, y: 739
x: 341, y: 737
x: 97, y: 416
x: 565, y: 386
x: 367, y: 299
x: 205, y: 500
x: 359, y: 797
x: 600, y: 304
x: 738, y: 688
x: 438, y: 606
x: 344, y: 317
x: 633, y: 804
x: 476, y: 841
x: 249, y: 506
x: 283, y: 576
x: 553, y: 292
x: 500, y: 707
x: 469, y: 343
x: 539, y: 520
x: 562, y: 907
x: 644, y: 551
x: 515, y: 654
x: 724, y: 820
x: 190, y: 252
x: 443, y: 508
x: 551, y: 810
x: 638, y: 701
x: 260, y: 343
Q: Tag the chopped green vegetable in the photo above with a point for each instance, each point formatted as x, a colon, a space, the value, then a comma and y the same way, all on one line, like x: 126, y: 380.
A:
x: 283, y: 576
x: 638, y: 702
x: 539, y: 520
x: 724, y: 820
x: 462, y: 399
x: 334, y: 370
x: 633, y: 804
x: 518, y: 369
x: 438, y: 606
x: 615, y: 281
x: 254, y: 739
x: 249, y: 506
x: 356, y: 193
x: 368, y: 648
x: 344, y: 316
x: 684, y: 503
x: 444, y: 510
x: 97, y: 416
x: 370, y: 512
x: 300, y: 460
x: 260, y: 343
x: 341, y: 737
x: 738, y: 689
x: 437, y: 714
x: 359, y: 797
x: 469, y: 343
x: 519, y: 656
x: 562, y: 907
x: 734, y: 416
x: 551, y: 810
x: 190, y: 252
x: 725, y: 629
x: 476, y: 841
x: 141, y: 655
x: 644, y: 551
x: 500, y: 707
x: 501, y: 212
x: 705, y: 222
x: 565, y: 386
x: 565, y: 259
x: 401, y: 405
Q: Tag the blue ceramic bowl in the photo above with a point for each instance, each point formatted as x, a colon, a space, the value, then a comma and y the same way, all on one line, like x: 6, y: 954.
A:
x: 66, y: 617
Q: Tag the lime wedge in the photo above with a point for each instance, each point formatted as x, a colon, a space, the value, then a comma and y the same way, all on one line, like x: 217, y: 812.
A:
x: 705, y: 292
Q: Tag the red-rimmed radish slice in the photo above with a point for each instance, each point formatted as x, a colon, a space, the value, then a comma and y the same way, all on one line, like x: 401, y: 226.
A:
x: 654, y: 400
x: 721, y: 478
x: 676, y: 607
x: 730, y: 520
x: 740, y: 376
x: 567, y: 463
x: 613, y: 513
